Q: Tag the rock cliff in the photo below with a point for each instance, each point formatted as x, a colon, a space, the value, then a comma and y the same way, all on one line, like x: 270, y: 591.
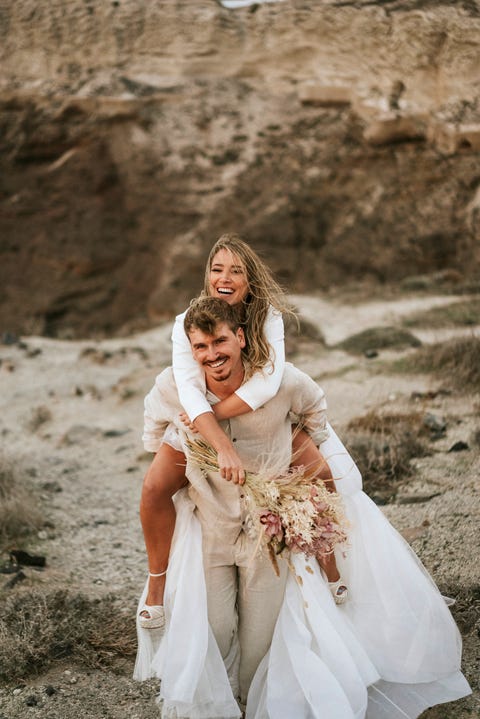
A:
x: 342, y: 139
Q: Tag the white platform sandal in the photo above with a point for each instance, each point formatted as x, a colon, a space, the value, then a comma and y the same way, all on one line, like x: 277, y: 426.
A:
x: 339, y: 591
x: 152, y: 616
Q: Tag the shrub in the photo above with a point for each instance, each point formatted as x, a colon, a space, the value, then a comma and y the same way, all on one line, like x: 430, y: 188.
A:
x: 456, y: 361
x: 456, y: 314
x: 383, y: 446
x: 38, y: 627
x: 19, y: 514
x: 378, y: 338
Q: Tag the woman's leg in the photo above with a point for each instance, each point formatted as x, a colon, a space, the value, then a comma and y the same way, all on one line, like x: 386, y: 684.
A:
x: 306, y: 453
x: 165, y: 476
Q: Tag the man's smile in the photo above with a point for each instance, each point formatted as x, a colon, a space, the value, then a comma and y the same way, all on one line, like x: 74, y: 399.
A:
x: 214, y: 364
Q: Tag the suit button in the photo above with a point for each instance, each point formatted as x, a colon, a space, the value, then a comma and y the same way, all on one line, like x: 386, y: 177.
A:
x: 234, y: 439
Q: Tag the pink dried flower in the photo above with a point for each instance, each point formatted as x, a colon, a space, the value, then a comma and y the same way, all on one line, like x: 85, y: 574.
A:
x: 272, y: 525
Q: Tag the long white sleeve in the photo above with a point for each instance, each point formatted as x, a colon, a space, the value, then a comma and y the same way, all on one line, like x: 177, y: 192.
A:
x: 188, y: 373
x: 263, y: 385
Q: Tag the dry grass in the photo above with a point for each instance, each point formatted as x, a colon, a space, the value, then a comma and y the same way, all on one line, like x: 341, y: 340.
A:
x: 456, y: 362
x: 457, y: 314
x: 38, y: 628
x: 379, y: 338
x: 19, y: 514
x: 383, y: 446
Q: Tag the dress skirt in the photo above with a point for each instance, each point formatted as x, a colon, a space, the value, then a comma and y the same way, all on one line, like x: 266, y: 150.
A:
x: 392, y: 650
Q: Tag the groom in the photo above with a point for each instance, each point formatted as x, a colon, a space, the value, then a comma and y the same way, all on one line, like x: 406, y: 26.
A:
x: 244, y: 595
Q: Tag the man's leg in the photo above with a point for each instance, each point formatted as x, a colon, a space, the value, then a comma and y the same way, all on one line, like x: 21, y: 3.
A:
x: 221, y: 581
x: 260, y: 596
x: 165, y: 476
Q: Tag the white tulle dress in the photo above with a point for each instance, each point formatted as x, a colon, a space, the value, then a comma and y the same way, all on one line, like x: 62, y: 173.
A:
x: 389, y: 652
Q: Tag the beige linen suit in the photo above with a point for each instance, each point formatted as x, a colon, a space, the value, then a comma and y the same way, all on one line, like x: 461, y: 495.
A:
x: 243, y: 593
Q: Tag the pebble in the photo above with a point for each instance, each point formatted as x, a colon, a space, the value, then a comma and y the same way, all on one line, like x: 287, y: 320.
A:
x: 459, y: 446
x: 16, y: 692
x: 435, y: 424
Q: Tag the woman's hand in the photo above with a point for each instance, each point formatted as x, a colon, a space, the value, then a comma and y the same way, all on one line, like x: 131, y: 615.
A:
x: 185, y: 419
x: 230, y: 465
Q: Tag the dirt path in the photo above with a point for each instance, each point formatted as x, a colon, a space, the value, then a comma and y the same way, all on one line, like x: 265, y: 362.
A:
x: 71, y: 415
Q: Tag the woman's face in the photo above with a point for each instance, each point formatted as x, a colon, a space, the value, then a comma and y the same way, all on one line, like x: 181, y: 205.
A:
x: 228, y: 278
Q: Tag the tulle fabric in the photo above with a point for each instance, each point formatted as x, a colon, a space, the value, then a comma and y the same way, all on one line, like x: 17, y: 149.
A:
x: 195, y: 684
x: 389, y: 652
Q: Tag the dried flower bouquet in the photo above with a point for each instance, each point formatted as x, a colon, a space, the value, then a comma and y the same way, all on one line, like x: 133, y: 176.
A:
x: 290, y: 511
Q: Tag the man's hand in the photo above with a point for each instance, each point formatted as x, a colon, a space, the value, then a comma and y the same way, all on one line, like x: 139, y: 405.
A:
x: 231, y: 467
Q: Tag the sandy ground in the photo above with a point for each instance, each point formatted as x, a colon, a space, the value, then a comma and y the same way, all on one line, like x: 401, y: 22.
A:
x: 88, y: 448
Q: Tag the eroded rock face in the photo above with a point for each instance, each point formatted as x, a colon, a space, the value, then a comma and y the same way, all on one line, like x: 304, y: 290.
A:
x: 341, y: 141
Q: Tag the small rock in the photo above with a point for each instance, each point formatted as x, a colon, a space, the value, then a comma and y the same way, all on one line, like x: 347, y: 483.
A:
x: 435, y: 424
x: 459, y: 446
x: 42, y: 534
x: 370, y: 354
x: 49, y: 690
x: 116, y: 432
x: 31, y: 701
x: 415, y: 498
x: 26, y: 559
x: 9, y: 566
x: 415, y: 395
x: 52, y: 486
x: 9, y: 338
x: 34, y: 352
x: 78, y: 434
x: 412, y: 533
x: 16, y: 692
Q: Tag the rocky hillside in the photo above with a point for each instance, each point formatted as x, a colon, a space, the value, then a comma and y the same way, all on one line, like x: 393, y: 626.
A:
x: 341, y: 138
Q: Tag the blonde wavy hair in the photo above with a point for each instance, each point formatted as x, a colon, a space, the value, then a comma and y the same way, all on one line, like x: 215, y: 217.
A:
x: 263, y: 291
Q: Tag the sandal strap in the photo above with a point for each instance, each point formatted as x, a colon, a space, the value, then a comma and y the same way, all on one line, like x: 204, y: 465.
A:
x: 338, y: 585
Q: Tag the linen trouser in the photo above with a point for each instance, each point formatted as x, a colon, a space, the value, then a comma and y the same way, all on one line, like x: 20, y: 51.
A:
x: 244, y: 596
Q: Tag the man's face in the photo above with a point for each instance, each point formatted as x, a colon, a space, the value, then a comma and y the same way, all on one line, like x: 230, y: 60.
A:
x: 219, y: 354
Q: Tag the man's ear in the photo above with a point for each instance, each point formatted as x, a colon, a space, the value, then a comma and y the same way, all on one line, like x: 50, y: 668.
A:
x: 241, y: 337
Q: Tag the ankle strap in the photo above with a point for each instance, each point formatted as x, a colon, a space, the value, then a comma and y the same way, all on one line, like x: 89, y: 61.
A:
x: 162, y: 574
